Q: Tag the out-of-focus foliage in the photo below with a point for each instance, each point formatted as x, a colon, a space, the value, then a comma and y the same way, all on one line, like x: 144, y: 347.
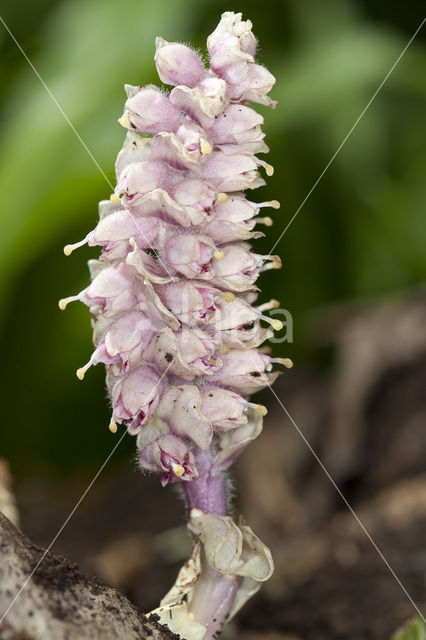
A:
x: 414, y: 630
x: 361, y: 232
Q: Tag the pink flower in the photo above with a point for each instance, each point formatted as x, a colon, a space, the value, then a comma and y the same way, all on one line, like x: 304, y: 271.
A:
x: 112, y: 291
x: 224, y: 408
x: 255, y: 86
x: 187, y: 353
x: 113, y: 234
x: 170, y: 455
x: 191, y: 255
x: 177, y: 64
x: 182, y: 408
x: 232, y: 172
x: 196, y: 194
x: 239, y: 324
x: 239, y: 268
x: 139, y: 178
x: 193, y: 303
x: 149, y: 110
x: 135, y: 397
x: 245, y: 370
x: 238, y: 125
x: 203, y: 102
x: 231, y: 28
x: 124, y: 342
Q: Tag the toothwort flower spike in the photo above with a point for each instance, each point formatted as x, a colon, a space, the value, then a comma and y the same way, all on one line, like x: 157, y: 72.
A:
x: 171, y: 303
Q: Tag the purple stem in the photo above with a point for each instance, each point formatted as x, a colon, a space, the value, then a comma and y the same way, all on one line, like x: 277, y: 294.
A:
x: 208, y: 492
x: 214, y: 592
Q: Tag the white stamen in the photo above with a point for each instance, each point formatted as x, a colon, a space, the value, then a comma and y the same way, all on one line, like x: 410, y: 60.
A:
x: 272, y: 304
x: 270, y: 203
x: 69, y: 248
x: 285, y: 361
x: 274, y: 264
x: 276, y: 324
x: 65, y: 301
x: 267, y: 221
x: 268, y: 168
x: 80, y: 373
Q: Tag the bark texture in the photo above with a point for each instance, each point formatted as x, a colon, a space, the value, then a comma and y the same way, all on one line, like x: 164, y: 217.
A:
x: 59, y: 602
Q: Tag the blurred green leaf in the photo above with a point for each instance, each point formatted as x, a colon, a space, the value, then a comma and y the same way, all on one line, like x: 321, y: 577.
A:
x: 413, y: 630
x: 91, y: 49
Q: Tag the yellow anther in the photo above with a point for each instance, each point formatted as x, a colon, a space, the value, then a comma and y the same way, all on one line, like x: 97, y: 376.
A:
x: 269, y: 170
x: 275, y: 204
x: 266, y: 221
x: 113, y: 426
x: 261, y: 409
x: 224, y: 349
x: 63, y: 304
x: 80, y: 373
x: 222, y: 197
x: 228, y: 296
x: 287, y: 363
x: 205, y: 146
x: 68, y: 249
x: 178, y: 470
x: 124, y: 121
x: 219, y: 255
x: 114, y: 199
x: 274, y: 304
x: 277, y: 325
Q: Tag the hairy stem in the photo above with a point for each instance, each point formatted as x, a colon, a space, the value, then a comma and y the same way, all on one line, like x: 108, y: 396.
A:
x: 208, y: 492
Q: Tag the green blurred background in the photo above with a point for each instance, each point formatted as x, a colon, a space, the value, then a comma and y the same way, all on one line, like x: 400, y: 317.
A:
x: 361, y: 234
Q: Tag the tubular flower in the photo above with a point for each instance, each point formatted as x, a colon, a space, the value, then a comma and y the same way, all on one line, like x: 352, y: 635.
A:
x: 171, y: 302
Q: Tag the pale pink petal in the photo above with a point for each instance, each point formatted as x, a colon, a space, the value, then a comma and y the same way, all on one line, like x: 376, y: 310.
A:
x: 202, y: 103
x: 150, y: 111
x: 225, y: 409
x: 177, y: 64
x: 180, y: 408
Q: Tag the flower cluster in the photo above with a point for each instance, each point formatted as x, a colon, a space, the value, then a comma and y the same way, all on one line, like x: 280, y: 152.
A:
x: 172, y: 294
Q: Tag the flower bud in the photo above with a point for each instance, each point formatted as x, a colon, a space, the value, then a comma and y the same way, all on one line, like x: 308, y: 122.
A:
x: 177, y: 64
